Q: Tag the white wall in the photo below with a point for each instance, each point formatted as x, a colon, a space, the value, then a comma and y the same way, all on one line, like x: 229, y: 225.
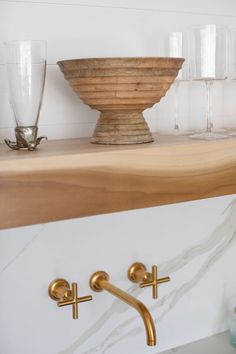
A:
x: 110, y: 28
x: 193, y: 242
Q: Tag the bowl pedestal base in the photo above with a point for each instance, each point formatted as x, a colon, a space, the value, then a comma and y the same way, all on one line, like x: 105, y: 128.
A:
x: 121, y: 127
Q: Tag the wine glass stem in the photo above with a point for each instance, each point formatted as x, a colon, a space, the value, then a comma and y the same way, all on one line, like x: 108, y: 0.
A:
x: 176, y: 107
x: 209, y: 106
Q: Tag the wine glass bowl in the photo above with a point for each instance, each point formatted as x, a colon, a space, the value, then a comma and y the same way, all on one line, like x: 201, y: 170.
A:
x: 209, y: 62
x: 178, y: 48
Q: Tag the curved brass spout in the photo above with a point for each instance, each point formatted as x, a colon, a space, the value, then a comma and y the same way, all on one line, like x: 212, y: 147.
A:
x: 100, y: 281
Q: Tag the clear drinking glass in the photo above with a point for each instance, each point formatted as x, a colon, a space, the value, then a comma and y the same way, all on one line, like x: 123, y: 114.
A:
x: 209, y: 51
x: 178, y: 49
x: 26, y: 68
x: 232, y: 63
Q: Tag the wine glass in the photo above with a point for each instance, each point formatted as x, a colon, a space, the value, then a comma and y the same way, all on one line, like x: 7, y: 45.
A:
x: 209, y: 46
x: 178, y: 49
x: 26, y: 68
x: 232, y: 63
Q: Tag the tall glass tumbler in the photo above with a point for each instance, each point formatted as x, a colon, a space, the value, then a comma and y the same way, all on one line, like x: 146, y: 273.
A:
x: 26, y: 68
x: 209, y: 49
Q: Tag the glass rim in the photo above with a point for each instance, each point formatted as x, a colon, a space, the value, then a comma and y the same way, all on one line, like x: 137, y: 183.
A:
x: 25, y: 41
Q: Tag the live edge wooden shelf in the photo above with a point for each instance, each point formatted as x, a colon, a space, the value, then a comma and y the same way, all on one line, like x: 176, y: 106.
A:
x: 72, y: 178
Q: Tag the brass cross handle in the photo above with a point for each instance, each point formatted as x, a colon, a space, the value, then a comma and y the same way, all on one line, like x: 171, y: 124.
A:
x: 59, y: 290
x: 138, y: 273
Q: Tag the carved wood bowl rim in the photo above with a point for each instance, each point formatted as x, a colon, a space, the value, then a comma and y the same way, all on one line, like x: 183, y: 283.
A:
x: 122, y: 60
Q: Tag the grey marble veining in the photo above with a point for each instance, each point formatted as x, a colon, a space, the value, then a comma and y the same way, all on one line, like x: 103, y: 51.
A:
x: 210, y: 250
x: 197, y: 249
x: 23, y: 249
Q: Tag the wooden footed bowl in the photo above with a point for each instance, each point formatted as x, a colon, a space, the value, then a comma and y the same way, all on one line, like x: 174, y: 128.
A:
x: 121, y: 89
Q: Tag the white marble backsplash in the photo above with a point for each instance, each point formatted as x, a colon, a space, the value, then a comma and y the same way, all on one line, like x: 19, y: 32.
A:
x: 193, y: 242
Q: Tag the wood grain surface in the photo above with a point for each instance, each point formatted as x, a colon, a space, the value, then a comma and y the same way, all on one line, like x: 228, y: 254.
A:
x: 121, y: 88
x: 73, y: 178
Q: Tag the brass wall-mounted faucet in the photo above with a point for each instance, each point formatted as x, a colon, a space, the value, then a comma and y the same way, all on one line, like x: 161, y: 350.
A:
x: 59, y: 290
x: 138, y: 273
x: 99, y: 281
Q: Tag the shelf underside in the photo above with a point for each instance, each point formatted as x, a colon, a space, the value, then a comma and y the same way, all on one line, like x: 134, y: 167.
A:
x: 66, y: 179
